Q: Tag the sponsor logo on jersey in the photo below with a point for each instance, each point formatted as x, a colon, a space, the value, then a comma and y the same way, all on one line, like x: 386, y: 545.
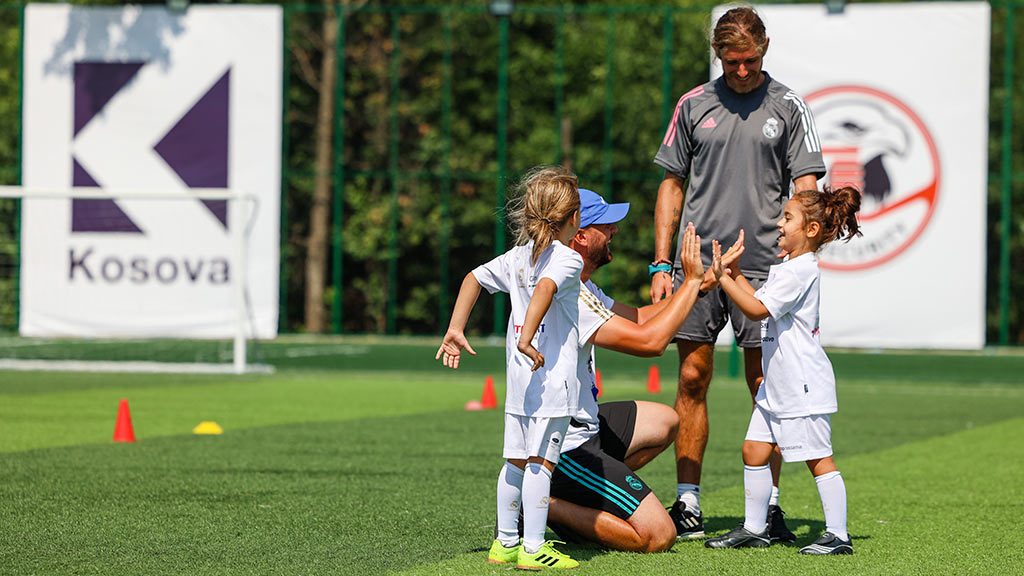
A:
x: 519, y: 329
x: 634, y: 483
x: 770, y: 128
x: 709, y: 123
x: 877, y: 143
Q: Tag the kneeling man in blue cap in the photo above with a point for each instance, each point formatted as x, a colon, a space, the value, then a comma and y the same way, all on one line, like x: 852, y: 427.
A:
x: 596, y: 493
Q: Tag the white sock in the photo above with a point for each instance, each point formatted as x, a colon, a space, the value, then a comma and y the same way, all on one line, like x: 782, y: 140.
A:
x: 510, y: 492
x: 536, y: 491
x: 774, y: 500
x: 689, y: 494
x: 832, y: 490
x: 757, y: 485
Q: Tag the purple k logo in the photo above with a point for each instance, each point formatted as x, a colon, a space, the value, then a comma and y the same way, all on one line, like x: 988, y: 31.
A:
x: 195, y: 147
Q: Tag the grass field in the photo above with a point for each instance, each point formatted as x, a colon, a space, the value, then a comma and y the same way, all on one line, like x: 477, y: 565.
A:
x: 356, y: 457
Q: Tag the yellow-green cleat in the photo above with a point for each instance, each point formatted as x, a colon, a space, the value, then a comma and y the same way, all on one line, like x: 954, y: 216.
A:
x: 545, y: 557
x: 499, y: 554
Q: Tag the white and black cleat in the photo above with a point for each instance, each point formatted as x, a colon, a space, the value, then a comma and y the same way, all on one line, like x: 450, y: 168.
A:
x: 740, y: 537
x: 828, y: 543
x: 689, y: 526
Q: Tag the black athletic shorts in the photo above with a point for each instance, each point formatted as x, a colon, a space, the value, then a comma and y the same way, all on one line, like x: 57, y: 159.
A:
x: 594, y: 475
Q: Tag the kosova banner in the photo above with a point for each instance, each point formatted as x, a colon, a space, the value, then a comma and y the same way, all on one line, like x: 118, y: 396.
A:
x: 899, y: 97
x: 146, y: 100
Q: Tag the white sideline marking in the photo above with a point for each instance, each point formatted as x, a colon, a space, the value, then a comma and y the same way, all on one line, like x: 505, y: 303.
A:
x: 970, y: 390
x: 337, y: 350
x: 136, y: 367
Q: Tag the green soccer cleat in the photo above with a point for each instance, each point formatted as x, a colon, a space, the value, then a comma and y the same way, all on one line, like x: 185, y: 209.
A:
x: 499, y: 554
x: 545, y: 557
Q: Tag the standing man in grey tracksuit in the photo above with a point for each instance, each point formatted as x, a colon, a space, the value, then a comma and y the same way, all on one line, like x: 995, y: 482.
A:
x: 735, y: 146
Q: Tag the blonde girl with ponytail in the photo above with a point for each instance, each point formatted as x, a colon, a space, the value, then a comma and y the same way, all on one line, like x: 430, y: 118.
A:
x: 541, y: 275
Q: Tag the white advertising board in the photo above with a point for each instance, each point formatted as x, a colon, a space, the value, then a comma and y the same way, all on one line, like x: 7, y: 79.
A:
x: 899, y: 94
x: 138, y: 100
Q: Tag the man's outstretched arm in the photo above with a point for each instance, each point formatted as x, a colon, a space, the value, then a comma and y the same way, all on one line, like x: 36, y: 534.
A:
x: 652, y: 337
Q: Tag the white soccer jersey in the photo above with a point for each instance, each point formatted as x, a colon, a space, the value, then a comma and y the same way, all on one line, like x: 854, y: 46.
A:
x: 553, y: 390
x: 798, y: 377
x: 595, y: 310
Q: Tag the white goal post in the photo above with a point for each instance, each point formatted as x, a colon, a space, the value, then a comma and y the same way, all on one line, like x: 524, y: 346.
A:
x: 241, y: 211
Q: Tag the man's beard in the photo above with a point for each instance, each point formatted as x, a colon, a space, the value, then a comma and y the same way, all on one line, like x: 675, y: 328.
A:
x: 604, y: 257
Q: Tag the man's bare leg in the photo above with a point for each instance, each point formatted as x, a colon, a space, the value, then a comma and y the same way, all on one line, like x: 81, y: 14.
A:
x: 655, y: 429
x: 696, y: 361
x: 649, y: 529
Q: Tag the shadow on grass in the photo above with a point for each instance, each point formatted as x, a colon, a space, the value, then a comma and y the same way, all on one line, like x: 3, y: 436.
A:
x: 810, y: 528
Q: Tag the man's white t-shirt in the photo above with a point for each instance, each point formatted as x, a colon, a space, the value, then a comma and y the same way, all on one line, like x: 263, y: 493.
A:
x: 553, y: 390
x: 798, y: 376
x: 595, y: 310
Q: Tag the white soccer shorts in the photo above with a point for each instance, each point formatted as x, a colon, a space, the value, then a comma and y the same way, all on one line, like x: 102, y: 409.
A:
x: 527, y: 436
x: 799, y: 439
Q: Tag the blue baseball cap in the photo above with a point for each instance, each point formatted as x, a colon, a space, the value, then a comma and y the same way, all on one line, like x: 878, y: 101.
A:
x: 594, y: 209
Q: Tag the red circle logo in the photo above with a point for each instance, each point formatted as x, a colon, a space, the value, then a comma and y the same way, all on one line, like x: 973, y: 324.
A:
x: 876, y: 143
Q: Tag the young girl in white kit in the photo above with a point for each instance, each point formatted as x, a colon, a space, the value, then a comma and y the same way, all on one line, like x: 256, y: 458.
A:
x: 798, y: 392
x: 542, y: 277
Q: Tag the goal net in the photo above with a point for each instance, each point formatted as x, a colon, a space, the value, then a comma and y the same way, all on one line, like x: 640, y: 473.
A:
x: 134, y: 280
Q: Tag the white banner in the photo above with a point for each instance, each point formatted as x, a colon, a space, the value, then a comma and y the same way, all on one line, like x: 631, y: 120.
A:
x: 899, y: 94
x: 146, y: 100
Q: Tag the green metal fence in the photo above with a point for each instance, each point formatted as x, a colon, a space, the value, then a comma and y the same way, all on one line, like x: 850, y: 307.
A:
x: 437, y: 109
x: 676, y: 48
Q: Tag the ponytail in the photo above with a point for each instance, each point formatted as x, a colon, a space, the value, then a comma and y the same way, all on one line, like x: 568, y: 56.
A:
x: 843, y: 203
x: 835, y: 210
x: 546, y: 198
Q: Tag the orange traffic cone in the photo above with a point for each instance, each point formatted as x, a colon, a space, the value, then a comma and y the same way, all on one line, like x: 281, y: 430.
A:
x: 653, y: 380
x: 123, y: 431
x: 597, y: 380
x: 488, y: 401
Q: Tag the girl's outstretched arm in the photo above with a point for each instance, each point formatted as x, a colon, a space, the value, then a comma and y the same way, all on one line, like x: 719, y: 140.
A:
x: 540, y: 302
x: 738, y: 289
x: 454, y: 339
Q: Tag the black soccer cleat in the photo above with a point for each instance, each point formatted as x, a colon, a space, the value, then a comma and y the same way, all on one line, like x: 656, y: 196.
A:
x: 777, y: 530
x: 828, y: 543
x: 740, y: 537
x: 688, y: 525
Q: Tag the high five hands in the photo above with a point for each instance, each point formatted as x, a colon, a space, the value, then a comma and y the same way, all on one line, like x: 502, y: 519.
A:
x: 723, y: 264
x: 692, y: 265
